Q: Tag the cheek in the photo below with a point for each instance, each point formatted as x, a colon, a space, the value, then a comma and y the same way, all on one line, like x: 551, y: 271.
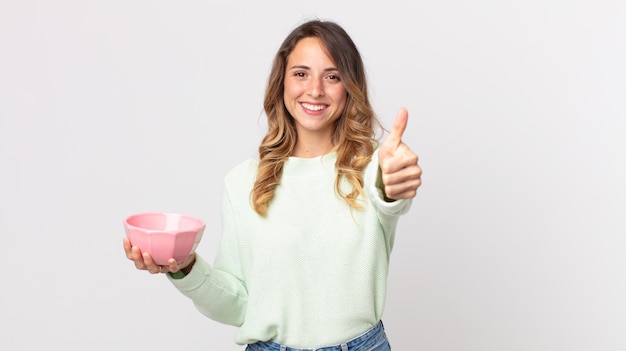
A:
x: 291, y: 90
x: 339, y: 95
x: 290, y: 97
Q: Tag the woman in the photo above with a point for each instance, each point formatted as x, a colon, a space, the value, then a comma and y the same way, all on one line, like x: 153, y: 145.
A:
x: 309, y: 225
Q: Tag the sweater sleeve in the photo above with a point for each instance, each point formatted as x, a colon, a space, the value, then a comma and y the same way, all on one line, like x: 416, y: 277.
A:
x: 388, y: 212
x: 219, y: 292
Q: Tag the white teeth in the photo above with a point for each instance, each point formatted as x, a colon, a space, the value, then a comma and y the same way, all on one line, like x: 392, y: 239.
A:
x: 313, y: 107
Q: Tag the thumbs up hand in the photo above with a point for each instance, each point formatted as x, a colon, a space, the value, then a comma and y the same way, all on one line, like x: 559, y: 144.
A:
x: 400, y: 173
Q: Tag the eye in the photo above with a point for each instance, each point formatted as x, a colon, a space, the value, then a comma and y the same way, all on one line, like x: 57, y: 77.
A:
x: 333, y: 77
x: 299, y: 74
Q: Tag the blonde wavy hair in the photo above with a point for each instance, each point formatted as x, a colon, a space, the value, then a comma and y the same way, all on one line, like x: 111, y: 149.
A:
x: 354, y: 136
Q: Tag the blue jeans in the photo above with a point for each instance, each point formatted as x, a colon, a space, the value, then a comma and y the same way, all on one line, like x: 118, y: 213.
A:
x: 374, y: 339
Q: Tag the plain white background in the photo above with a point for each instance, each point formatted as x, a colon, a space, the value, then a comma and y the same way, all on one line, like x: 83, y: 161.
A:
x: 517, y: 109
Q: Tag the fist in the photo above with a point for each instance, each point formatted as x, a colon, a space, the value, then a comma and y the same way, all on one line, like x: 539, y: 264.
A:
x: 401, y: 174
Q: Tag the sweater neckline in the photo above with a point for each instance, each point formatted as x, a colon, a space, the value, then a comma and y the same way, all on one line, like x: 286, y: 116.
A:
x: 297, y: 166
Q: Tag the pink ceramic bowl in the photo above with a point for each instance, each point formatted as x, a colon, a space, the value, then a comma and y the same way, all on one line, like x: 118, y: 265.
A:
x: 164, y: 235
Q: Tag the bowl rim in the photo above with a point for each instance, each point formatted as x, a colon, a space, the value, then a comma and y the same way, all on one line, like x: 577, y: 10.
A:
x: 201, y: 223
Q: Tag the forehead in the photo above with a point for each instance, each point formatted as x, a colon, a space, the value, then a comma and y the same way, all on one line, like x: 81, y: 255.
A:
x: 309, y: 50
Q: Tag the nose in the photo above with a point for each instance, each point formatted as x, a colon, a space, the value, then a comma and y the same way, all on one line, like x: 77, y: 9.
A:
x: 316, y: 88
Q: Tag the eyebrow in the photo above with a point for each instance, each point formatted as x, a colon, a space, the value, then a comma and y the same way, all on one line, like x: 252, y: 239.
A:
x: 329, y: 69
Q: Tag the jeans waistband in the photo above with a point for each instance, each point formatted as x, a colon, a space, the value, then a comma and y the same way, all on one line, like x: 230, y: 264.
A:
x: 372, y: 334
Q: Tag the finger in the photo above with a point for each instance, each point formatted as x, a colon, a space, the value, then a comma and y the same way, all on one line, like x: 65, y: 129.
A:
x: 399, y: 126
x: 408, y: 194
x: 137, y: 258
x: 403, y: 157
x: 128, y: 248
x: 176, y: 266
x: 404, y: 190
x: 406, y: 174
x: 135, y: 254
x: 173, y: 265
x: 150, y: 265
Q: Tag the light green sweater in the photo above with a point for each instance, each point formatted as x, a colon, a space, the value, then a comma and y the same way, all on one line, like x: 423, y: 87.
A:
x: 313, y: 272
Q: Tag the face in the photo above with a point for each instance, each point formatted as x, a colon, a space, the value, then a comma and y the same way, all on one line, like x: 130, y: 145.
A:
x: 314, y: 94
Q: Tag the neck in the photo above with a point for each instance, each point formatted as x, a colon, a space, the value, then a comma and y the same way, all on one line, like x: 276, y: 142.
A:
x: 312, y: 148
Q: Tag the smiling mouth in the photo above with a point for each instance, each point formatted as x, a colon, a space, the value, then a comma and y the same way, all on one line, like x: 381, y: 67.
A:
x: 313, y: 107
